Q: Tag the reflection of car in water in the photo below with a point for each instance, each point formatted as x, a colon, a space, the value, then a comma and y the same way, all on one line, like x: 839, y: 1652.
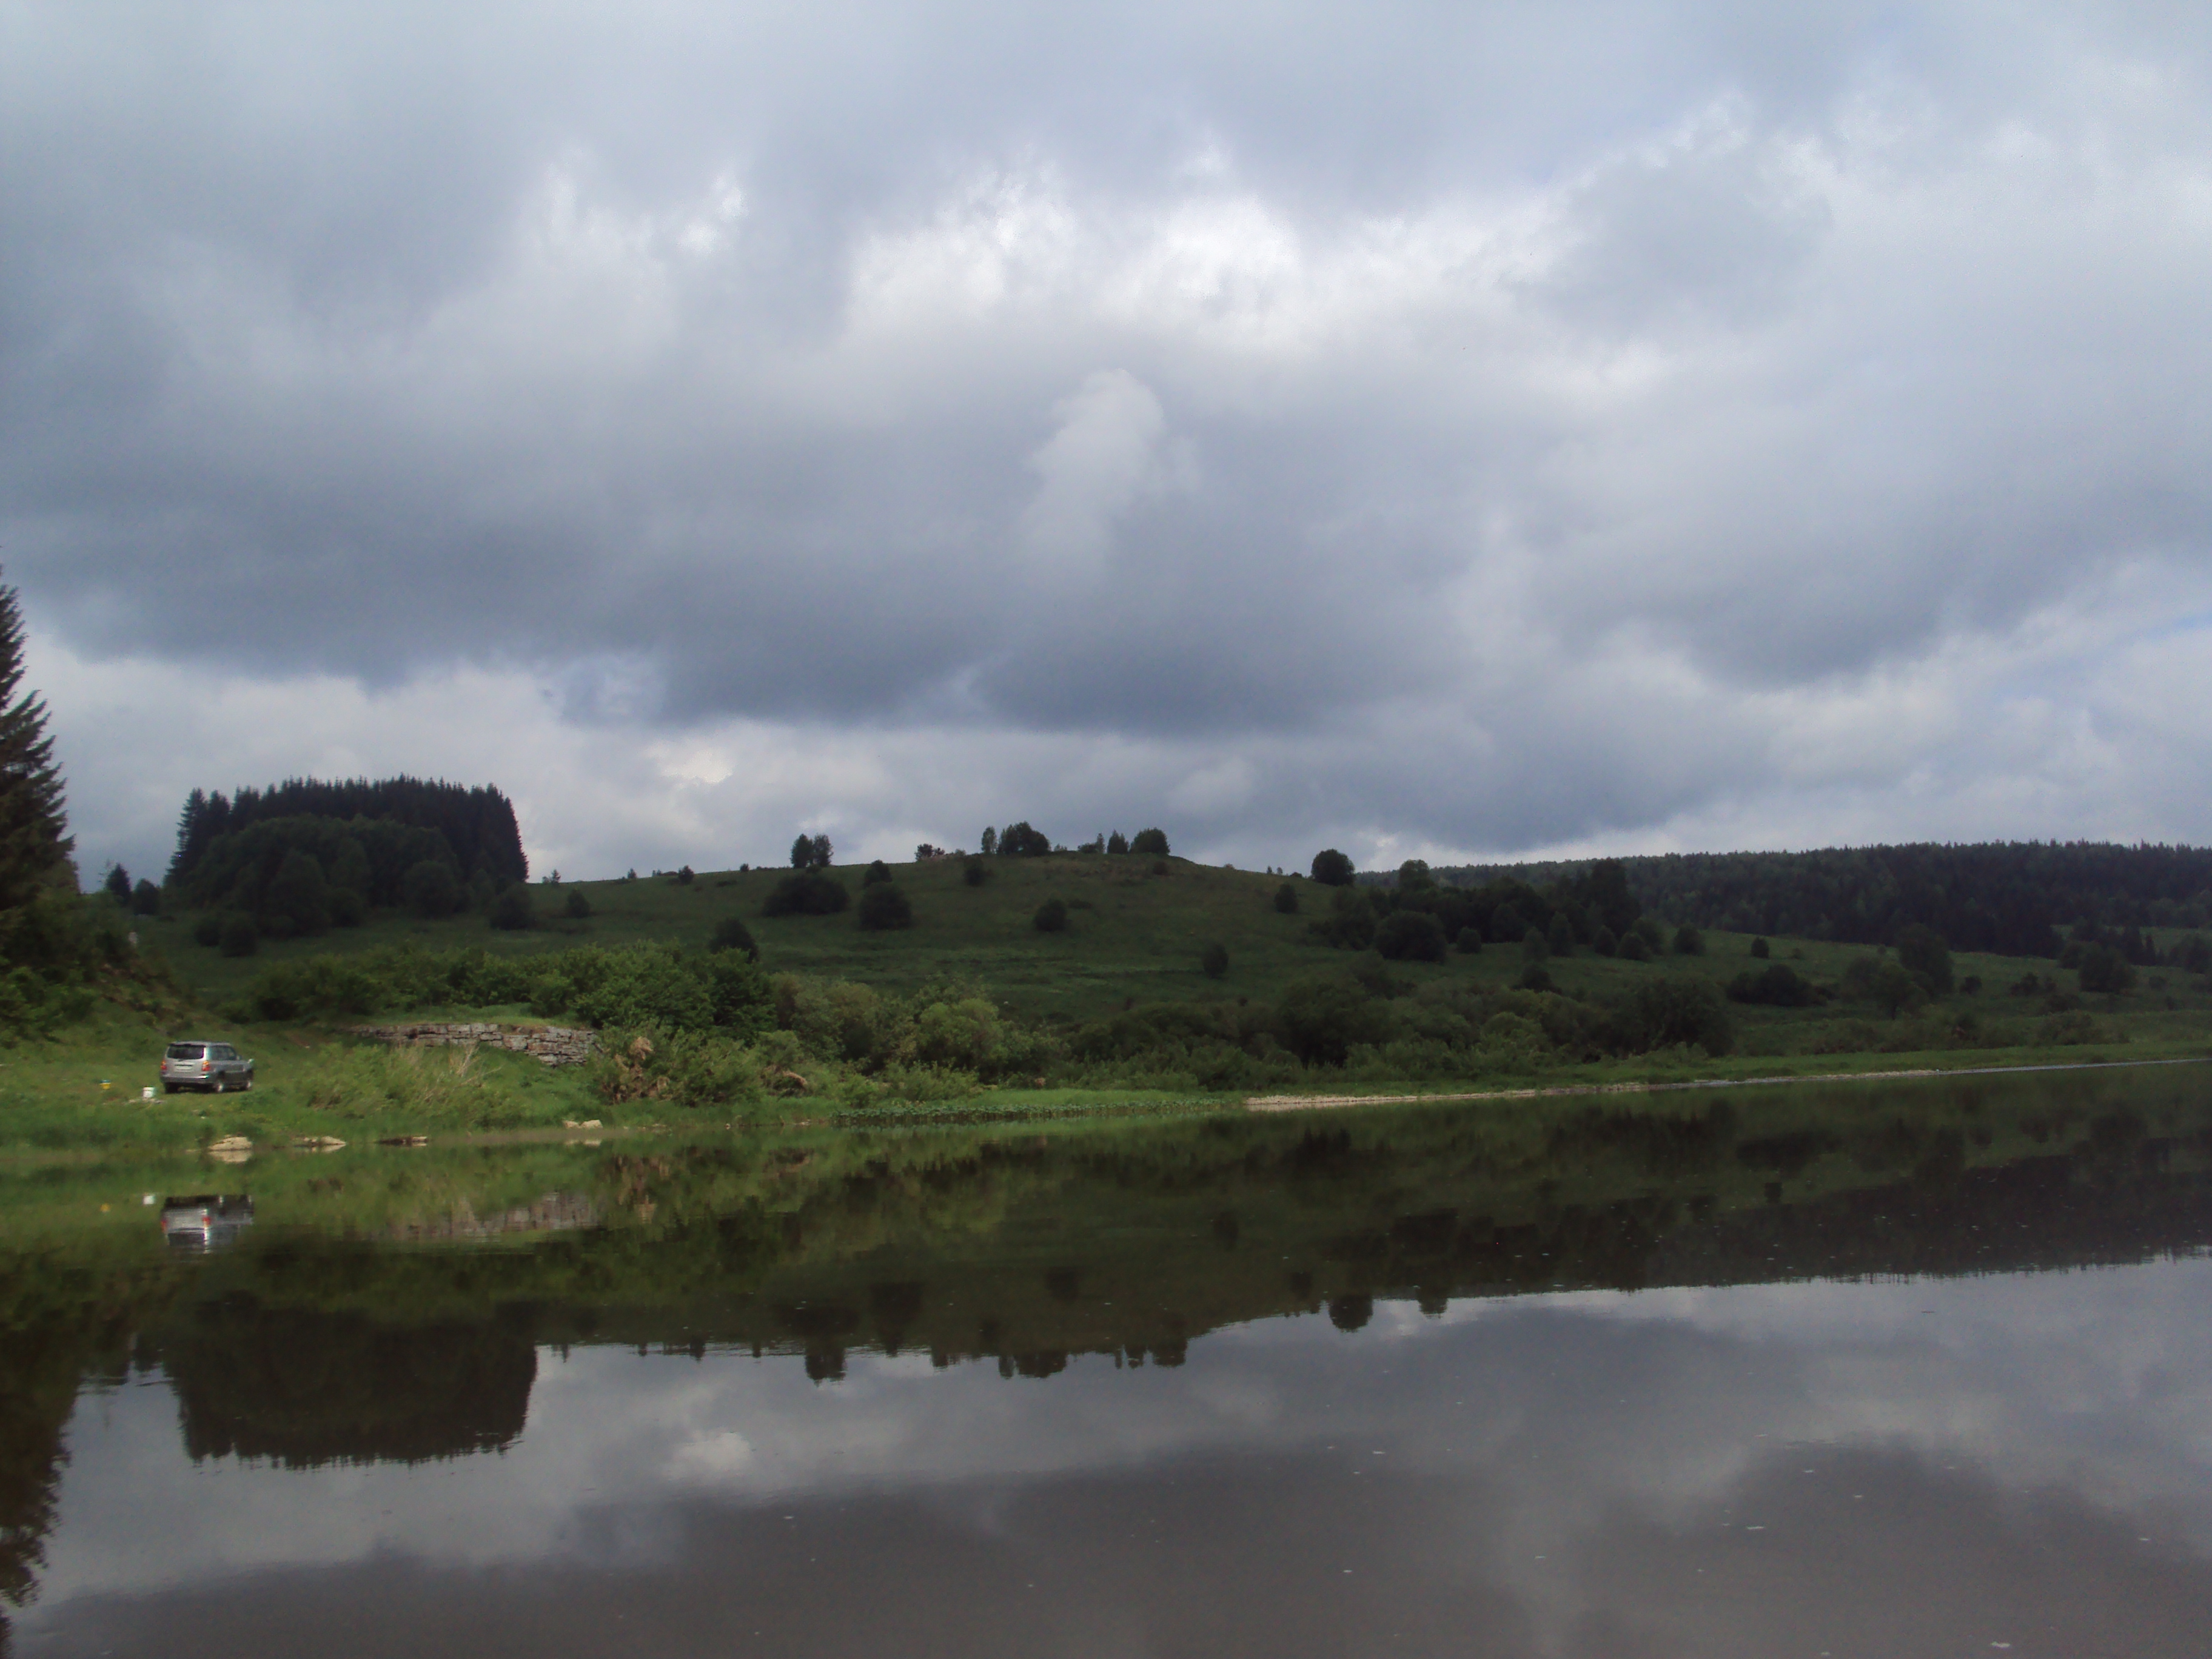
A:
x: 207, y: 1222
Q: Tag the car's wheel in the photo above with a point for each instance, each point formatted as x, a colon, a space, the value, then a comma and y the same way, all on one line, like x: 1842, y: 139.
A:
x: 247, y: 1081
x: 219, y: 1086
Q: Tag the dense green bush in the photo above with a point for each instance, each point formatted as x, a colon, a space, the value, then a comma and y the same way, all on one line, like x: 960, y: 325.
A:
x: 1213, y: 961
x: 884, y: 906
x: 1322, y: 1019
x: 878, y: 871
x: 1150, y: 843
x: 240, y: 937
x: 1332, y: 868
x: 732, y: 934
x: 1286, y: 899
x: 2103, y: 968
x: 808, y: 892
x: 1688, y: 941
x: 976, y: 872
x: 515, y: 910
x: 1410, y: 936
x: 1776, y: 986
x: 1926, y: 956
x: 1051, y: 917
x: 1470, y: 942
x: 1683, y: 1008
x: 579, y: 908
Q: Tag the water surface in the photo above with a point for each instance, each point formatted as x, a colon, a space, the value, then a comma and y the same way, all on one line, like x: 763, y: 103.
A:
x: 1873, y: 1370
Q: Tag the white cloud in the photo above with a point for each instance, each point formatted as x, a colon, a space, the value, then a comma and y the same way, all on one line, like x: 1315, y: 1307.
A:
x: 1480, y: 435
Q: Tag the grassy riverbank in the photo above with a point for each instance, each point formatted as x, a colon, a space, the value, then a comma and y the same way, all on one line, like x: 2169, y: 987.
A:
x: 974, y: 1012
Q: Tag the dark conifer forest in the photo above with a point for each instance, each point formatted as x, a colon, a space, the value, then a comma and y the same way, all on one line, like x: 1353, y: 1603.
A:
x: 2014, y: 898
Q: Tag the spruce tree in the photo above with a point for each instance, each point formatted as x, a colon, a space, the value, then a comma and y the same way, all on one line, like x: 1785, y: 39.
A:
x: 34, y: 840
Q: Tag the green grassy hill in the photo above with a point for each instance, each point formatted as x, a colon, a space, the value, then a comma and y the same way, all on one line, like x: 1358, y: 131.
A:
x: 1134, y: 937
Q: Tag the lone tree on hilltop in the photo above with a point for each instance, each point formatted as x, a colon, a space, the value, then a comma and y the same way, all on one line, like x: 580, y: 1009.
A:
x: 811, y: 853
x: 1150, y: 843
x: 1020, y: 840
x: 1332, y: 868
x: 34, y: 844
x: 1117, y: 843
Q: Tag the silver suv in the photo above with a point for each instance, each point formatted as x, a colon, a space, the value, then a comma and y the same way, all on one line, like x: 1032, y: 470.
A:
x: 215, y: 1067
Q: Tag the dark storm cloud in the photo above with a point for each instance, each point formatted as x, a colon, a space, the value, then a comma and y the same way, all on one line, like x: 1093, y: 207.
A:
x: 1473, y: 428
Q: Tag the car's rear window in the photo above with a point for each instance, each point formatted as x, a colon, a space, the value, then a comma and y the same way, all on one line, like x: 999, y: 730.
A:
x: 188, y: 1051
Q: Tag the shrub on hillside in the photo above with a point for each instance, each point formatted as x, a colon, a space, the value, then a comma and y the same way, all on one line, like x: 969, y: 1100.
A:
x: 514, y: 911
x: 1686, y: 1008
x: 1688, y: 941
x: 348, y: 908
x: 145, y: 899
x: 878, y: 871
x: 1350, y: 924
x: 578, y: 906
x: 732, y: 934
x: 2103, y: 968
x: 1286, y: 899
x: 1410, y: 936
x: 1051, y: 917
x: 1603, y: 941
x: 239, y: 936
x: 975, y: 873
x: 1213, y: 961
x: 1470, y: 942
x: 1321, y: 1020
x: 1926, y: 955
x: 1760, y: 948
x: 1776, y: 986
x: 882, y: 907
x: 808, y: 892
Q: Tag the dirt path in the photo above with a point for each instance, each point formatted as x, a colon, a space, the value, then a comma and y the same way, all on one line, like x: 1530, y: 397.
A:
x: 1316, y: 1102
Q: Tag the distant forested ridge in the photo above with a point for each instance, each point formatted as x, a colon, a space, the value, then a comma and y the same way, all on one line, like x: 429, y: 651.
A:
x: 2014, y: 898
x: 476, y: 824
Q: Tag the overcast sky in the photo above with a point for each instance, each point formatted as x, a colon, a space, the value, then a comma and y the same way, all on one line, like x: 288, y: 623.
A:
x: 1449, y: 430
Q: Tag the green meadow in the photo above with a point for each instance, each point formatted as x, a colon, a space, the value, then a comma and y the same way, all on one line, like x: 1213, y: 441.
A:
x: 1130, y: 956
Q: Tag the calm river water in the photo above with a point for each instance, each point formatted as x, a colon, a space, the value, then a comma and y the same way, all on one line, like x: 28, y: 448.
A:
x: 1878, y: 1370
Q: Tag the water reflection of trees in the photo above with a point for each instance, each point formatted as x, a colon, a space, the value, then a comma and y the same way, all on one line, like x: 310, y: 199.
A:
x: 1027, y: 1251
x: 302, y: 1387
